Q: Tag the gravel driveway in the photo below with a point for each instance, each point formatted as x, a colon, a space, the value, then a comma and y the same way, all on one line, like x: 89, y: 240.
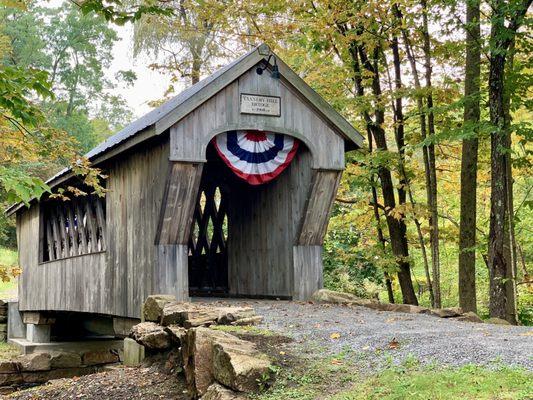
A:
x: 377, y: 337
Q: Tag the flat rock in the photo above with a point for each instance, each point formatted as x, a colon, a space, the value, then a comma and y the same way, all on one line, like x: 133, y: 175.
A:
x: 8, y: 367
x: 34, y: 362
x: 99, y: 357
x: 238, y: 365
x: 218, y: 392
x: 469, y: 317
x: 154, y: 304
x: 446, y: 312
x: 176, y: 313
x: 45, y: 376
x: 227, y: 315
x: 65, y: 360
x: 248, y: 321
x: 151, y: 336
x: 331, y: 296
x: 10, y: 379
x: 497, y: 321
x: 190, y: 315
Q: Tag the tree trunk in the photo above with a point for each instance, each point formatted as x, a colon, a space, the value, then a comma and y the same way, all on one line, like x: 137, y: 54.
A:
x: 432, y: 199
x: 469, y: 156
x: 405, y: 186
x: 423, y: 129
x: 510, y: 241
x: 500, y: 264
x: 381, y: 238
x: 397, y: 228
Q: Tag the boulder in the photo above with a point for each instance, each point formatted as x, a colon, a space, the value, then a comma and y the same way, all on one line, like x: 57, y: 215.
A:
x: 330, y: 296
x: 34, y: 362
x: 238, y: 365
x: 10, y: 379
x: 173, y: 361
x: 497, y: 321
x: 65, y: 360
x: 9, y: 367
x: 228, y: 315
x: 151, y: 336
x: 177, y: 333
x: 177, y: 313
x: 469, y: 317
x: 153, y: 306
x: 133, y: 353
x: 219, y: 392
x: 99, y: 357
x: 3, y: 328
x: 446, y: 312
x: 197, y: 351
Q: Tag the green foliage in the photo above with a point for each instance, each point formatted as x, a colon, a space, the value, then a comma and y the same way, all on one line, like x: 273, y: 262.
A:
x: 347, y: 269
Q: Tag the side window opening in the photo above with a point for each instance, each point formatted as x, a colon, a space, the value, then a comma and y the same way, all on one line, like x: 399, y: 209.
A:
x: 72, y: 228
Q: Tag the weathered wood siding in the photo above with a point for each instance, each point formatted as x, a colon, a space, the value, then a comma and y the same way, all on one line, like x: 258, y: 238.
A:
x: 190, y: 136
x: 136, y: 187
x: 74, y: 284
x: 263, y: 223
x: 118, y: 280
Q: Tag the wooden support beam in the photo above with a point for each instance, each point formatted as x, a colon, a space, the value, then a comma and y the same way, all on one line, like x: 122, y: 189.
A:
x: 179, y: 199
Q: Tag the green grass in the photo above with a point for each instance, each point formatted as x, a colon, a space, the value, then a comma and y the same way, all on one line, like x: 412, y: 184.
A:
x: 465, y: 383
x: 249, y: 329
x: 7, y: 351
x: 338, y: 378
x: 8, y: 258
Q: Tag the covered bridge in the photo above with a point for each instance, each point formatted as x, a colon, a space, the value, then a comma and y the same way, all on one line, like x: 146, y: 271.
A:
x: 224, y: 190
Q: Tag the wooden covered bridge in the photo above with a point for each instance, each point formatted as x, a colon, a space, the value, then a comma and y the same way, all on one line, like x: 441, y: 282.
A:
x: 223, y: 190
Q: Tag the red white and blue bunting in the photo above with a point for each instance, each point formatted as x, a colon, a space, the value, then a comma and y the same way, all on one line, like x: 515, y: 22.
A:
x: 256, y: 156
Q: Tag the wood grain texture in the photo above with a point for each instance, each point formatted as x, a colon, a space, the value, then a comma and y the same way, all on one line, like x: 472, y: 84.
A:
x: 263, y: 223
x: 319, y: 203
x: 190, y: 136
x: 308, y: 269
x: 179, y: 199
x: 116, y: 281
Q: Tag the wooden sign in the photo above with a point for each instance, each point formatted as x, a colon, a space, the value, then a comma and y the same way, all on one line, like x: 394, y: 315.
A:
x: 260, y: 105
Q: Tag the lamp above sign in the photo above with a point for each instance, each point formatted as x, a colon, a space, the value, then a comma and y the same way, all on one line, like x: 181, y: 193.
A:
x: 260, y: 105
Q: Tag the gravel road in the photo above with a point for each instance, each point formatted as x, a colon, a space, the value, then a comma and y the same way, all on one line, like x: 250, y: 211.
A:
x: 369, y: 334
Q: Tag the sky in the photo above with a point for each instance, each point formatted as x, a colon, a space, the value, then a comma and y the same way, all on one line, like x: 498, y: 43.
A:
x: 150, y: 85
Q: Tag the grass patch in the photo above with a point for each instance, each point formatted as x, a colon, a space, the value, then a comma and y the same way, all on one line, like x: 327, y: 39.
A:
x: 247, y: 329
x: 465, y: 383
x: 8, y: 258
x: 338, y: 378
x: 310, y: 380
x: 8, y: 351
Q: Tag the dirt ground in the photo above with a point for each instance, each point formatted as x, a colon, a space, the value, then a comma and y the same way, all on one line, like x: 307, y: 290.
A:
x: 121, y: 383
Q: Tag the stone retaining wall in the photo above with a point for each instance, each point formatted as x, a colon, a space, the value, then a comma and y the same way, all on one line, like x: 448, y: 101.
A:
x: 216, y: 364
x: 3, y: 321
x: 37, y: 368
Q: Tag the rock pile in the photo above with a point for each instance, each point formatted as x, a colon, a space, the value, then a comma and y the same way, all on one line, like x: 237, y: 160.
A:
x: 330, y: 296
x: 216, y: 364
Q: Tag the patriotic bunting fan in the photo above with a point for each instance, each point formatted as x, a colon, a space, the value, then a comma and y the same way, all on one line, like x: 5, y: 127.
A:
x: 255, y: 156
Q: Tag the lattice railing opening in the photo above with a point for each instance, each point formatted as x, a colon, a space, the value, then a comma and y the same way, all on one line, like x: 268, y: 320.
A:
x: 208, y: 240
x: 72, y: 228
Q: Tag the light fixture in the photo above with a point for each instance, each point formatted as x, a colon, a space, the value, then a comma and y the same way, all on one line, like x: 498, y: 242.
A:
x: 275, y: 70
